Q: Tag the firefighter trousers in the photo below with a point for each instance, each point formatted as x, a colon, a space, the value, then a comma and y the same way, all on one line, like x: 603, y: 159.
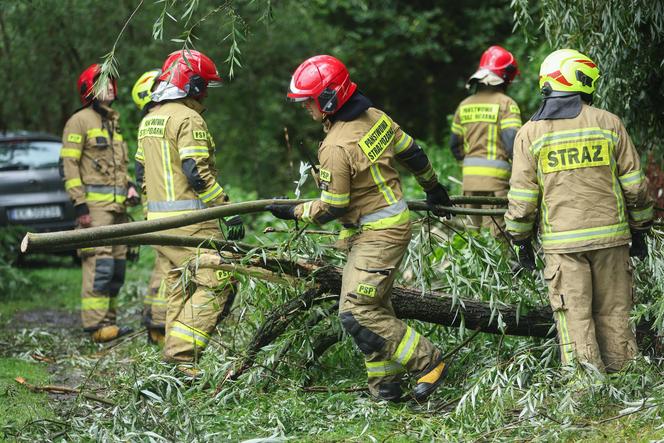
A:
x: 389, y: 345
x: 591, y: 297
x: 495, y: 224
x: 103, y: 274
x: 155, y: 301
x: 197, y: 298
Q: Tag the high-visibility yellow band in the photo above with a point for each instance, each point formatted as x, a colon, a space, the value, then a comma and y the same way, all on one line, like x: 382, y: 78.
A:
x: 510, y: 123
x: 566, y: 346
x: 642, y: 215
x: 383, y: 368
x: 579, y: 235
x: 526, y: 195
x: 194, y: 151
x: 70, y: 153
x: 98, y: 197
x: 407, y: 346
x: 388, y: 222
x: 387, y: 192
x: 632, y: 178
x: 211, y: 194
x: 95, y: 303
x: 189, y: 334
x: 404, y: 143
x: 72, y: 183
x: 164, y: 214
x: 457, y: 129
x: 518, y: 227
x: 486, y: 171
x: 97, y: 132
x: 140, y: 155
x: 333, y: 199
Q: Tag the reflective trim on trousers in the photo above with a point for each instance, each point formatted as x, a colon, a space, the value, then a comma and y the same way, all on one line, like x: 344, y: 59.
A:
x: 383, y: 368
x: 566, y: 348
x: 407, y: 346
x: 190, y: 335
x: 95, y: 303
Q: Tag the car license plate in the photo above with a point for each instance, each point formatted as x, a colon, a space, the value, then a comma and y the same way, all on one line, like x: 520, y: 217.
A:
x: 35, y: 213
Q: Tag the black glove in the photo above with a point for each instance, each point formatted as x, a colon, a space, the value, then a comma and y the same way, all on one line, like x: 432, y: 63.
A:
x: 284, y: 212
x: 235, y: 228
x: 525, y: 254
x: 639, y: 247
x: 438, y: 196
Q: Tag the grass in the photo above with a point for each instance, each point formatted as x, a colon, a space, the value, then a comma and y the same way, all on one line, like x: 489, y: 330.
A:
x: 18, y: 405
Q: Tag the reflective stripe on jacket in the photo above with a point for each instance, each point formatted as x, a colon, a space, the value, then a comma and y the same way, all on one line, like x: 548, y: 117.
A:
x: 584, y: 175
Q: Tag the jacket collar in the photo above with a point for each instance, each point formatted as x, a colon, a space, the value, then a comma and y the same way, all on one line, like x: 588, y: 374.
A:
x: 192, y: 103
x: 356, y: 105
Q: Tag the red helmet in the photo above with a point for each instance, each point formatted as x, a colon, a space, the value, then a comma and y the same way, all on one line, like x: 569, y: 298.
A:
x: 190, y: 71
x: 499, y: 61
x: 323, y: 79
x: 87, y: 80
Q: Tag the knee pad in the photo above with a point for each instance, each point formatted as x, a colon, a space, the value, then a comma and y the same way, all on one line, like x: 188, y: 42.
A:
x: 367, y: 340
x: 104, y: 270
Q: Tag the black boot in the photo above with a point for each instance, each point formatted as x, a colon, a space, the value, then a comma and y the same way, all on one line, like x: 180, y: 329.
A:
x: 389, y: 391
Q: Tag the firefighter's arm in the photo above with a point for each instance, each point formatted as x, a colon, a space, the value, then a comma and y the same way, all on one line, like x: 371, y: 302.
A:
x: 195, y: 151
x: 633, y: 182
x: 509, y: 124
x: 524, y: 192
x: 335, y: 188
x: 412, y: 157
x: 73, y: 140
x: 140, y: 168
x: 456, y: 137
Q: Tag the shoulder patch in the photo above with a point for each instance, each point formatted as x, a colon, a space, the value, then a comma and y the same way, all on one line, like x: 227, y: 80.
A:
x: 325, y: 175
x: 378, y: 139
x: 200, y: 135
x: 478, y: 113
x: 75, y: 138
x: 153, y: 126
x: 514, y: 109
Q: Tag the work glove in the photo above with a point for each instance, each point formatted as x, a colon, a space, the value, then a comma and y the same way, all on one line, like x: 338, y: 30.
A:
x: 284, y: 212
x: 525, y: 254
x: 639, y: 247
x: 235, y: 228
x: 133, y: 198
x: 438, y: 196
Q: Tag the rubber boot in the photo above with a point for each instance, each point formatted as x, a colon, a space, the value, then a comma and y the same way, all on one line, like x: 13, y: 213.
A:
x: 389, y: 391
x: 156, y: 336
x: 430, y: 378
x: 109, y: 333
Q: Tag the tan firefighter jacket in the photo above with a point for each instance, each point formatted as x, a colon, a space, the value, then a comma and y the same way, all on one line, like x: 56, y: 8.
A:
x: 358, y: 178
x: 177, y: 152
x: 485, y: 125
x: 585, y: 176
x: 93, y: 160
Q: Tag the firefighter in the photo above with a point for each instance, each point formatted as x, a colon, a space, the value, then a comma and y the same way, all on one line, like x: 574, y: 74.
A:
x: 154, y: 302
x: 360, y: 186
x: 483, y: 132
x: 180, y: 177
x: 93, y: 165
x: 577, y: 165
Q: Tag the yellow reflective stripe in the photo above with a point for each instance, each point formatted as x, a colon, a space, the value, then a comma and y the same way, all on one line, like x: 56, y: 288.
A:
x: 97, y: 132
x: 212, y: 194
x: 335, y: 199
x: 566, y: 348
x: 526, y: 195
x: 491, y: 145
x: 168, y: 171
x: 70, y: 153
x: 148, y: 300
x: 306, y: 212
x: 347, y: 232
x: 427, y: 175
x: 383, y: 368
x: 95, y: 303
x: 140, y: 155
x: 74, y: 138
x: 189, y: 334
x: 164, y: 214
x: 510, y: 123
x: 194, y: 151
x: 578, y: 235
x: 486, y: 171
x: 457, y: 129
x: 72, y: 183
x: 118, y: 137
x: 407, y: 346
x: 642, y: 214
x: 617, y: 189
x: 632, y: 178
x: 382, y: 185
x: 388, y: 222
x: 515, y: 226
x: 98, y: 197
x: 403, y: 143
x: 584, y: 134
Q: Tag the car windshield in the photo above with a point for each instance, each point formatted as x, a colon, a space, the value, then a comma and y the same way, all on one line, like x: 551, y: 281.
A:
x: 19, y: 155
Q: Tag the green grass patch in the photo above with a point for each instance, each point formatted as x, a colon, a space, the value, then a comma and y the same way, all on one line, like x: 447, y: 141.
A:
x: 19, y: 405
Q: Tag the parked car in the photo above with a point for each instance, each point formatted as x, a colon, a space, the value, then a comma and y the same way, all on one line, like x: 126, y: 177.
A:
x: 32, y: 193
